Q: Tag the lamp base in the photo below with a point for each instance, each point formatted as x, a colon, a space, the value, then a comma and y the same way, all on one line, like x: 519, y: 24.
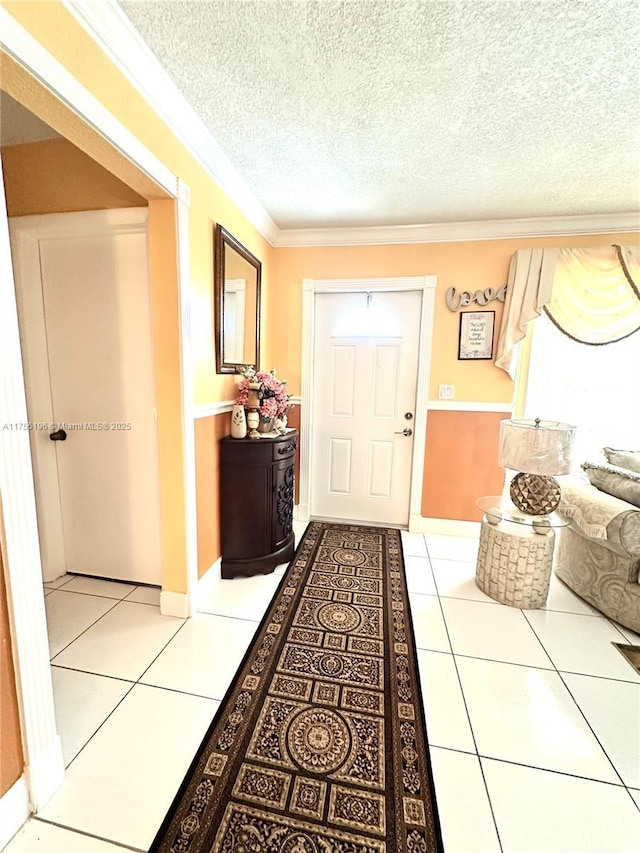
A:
x: 535, y: 494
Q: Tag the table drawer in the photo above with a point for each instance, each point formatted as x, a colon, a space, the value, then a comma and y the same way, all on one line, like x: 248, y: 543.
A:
x: 284, y: 449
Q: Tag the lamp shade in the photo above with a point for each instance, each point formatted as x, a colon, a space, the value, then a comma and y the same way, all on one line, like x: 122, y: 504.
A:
x: 536, y: 447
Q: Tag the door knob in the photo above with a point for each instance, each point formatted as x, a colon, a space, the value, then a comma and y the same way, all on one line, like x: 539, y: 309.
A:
x: 58, y: 435
x: 405, y: 431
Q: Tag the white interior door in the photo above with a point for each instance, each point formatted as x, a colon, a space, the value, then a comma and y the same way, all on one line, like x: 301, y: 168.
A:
x: 83, y: 295
x: 365, y: 380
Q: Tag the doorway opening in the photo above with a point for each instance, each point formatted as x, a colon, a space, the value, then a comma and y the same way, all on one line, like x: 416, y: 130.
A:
x: 43, y: 754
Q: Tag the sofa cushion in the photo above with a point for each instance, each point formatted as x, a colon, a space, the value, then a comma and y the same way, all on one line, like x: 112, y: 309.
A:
x: 629, y: 459
x: 619, y: 482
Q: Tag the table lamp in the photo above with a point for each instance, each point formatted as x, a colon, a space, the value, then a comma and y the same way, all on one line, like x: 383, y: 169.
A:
x: 538, y: 450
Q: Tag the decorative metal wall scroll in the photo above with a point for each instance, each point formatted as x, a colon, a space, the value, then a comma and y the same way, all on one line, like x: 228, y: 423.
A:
x: 482, y: 297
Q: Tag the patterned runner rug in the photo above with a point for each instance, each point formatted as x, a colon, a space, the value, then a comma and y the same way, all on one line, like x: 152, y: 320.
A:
x: 319, y: 745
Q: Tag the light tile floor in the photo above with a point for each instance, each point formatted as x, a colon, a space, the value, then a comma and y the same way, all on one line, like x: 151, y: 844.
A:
x: 533, y: 717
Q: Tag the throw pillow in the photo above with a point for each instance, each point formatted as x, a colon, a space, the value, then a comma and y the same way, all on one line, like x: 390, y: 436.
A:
x: 629, y: 459
x: 619, y: 482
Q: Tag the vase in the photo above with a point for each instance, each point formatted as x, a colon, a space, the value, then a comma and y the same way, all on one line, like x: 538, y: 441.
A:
x: 266, y: 424
x: 238, y: 422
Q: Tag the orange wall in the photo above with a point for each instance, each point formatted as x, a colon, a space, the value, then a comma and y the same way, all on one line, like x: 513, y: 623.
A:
x: 63, y: 37
x: 58, y: 32
x: 466, y: 266
x: 461, y: 463
x: 163, y: 278
x: 54, y: 176
x: 208, y: 432
x: 11, y: 759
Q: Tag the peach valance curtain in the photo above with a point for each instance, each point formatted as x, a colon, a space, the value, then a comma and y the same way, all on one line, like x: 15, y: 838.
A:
x: 591, y: 295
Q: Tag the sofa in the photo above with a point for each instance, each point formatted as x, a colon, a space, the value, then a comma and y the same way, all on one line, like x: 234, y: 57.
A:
x: 598, y: 554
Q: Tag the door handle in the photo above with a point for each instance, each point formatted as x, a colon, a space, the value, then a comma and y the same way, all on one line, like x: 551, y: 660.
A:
x: 405, y: 431
x: 58, y: 435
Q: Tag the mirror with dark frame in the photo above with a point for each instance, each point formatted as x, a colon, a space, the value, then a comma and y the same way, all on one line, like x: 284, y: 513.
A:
x: 237, y: 304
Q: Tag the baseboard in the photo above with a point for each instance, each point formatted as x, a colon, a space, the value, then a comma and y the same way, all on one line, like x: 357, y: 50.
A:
x: 209, y: 579
x: 175, y: 604
x: 447, y: 526
x: 14, y: 810
x: 415, y: 524
x: 45, y: 774
x: 301, y: 512
x: 181, y: 604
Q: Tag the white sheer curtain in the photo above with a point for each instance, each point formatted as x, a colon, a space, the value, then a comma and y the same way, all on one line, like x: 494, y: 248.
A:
x: 591, y: 295
x: 595, y: 388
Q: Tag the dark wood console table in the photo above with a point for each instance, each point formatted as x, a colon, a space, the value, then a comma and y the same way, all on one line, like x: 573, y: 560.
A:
x: 256, y: 503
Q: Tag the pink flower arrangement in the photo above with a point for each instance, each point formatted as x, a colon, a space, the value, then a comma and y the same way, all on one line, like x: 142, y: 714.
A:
x: 272, y: 392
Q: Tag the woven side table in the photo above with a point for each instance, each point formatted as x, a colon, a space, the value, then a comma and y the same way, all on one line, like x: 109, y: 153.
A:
x: 514, y: 564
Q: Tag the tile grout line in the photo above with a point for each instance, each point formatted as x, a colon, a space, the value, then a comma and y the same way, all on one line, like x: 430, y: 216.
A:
x: 555, y: 669
x: 84, y: 631
x: 99, y: 595
x: 89, y: 672
x: 526, y: 665
x: 617, y: 627
x: 69, y: 579
x: 583, y: 715
x: 633, y: 799
x: 466, y: 708
x: 616, y: 785
x: 498, y: 604
x: 91, y: 736
x: 255, y: 622
x: 170, y: 640
x: 220, y: 615
x: 133, y: 684
x: 86, y: 834
x: 126, y: 694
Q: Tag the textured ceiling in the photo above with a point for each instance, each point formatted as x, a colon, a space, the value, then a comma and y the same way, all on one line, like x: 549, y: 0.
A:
x: 18, y: 125
x: 375, y: 112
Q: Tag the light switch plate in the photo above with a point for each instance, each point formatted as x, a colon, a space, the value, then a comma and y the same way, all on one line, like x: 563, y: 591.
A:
x: 445, y: 392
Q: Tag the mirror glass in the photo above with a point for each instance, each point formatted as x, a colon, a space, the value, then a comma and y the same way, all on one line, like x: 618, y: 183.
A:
x: 237, y: 291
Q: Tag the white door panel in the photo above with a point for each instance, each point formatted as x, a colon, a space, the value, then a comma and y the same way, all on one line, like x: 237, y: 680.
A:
x: 380, y: 469
x: 95, y: 311
x: 385, y: 381
x: 363, y: 386
x: 343, y: 381
x: 340, y: 466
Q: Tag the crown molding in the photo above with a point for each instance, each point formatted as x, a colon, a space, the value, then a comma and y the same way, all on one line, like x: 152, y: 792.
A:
x: 454, y: 232
x: 109, y: 27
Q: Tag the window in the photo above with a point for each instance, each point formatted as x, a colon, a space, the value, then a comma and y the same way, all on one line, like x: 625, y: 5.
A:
x: 368, y: 321
x: 597, y: 388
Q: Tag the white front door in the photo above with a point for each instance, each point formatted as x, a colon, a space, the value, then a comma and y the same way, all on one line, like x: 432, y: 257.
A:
x: 364, y: 403
x: 85, y: 317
